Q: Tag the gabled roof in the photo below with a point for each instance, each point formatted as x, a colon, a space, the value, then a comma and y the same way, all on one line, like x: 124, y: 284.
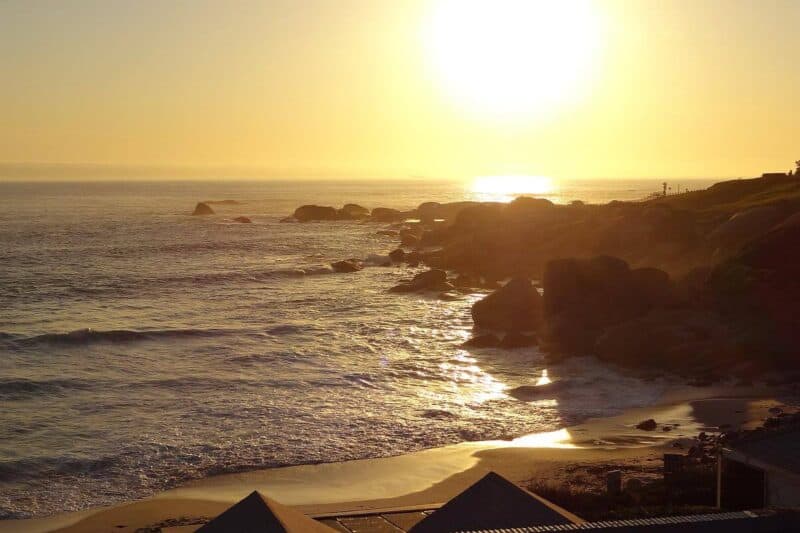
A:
x: 259, y: 514
x: 493, y: 503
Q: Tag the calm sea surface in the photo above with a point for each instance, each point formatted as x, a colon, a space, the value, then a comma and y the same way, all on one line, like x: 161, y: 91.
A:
x: 141, y: 347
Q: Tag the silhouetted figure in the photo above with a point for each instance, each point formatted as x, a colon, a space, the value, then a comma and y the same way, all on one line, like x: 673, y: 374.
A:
x: 665, y: 188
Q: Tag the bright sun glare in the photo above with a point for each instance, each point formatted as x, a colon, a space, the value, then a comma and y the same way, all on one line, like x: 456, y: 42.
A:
x: 506, y: 187
x: 513, y: 58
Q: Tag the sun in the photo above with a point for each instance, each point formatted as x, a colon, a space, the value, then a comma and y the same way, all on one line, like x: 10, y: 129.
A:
x: 514, y: 58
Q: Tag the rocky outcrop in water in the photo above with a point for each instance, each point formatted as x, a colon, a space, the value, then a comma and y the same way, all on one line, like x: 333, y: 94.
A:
x: 430, y: 280
x: 243, y: 220
x: 517, y: 306
x: 307, y: 213
x: 347, y: 266
x: 353, y: 212
x: 202, y: 209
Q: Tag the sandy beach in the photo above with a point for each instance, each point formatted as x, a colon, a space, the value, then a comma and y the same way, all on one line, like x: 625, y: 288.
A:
x: 581, y: 453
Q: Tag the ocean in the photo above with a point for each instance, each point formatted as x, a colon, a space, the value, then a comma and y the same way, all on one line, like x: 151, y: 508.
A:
x: 141, y: 347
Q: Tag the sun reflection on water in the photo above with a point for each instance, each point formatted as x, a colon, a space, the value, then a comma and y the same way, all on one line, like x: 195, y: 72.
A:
x: 544, y: 379
x: 506, y: 188
x: 551, y: 439
x: 470, y: 380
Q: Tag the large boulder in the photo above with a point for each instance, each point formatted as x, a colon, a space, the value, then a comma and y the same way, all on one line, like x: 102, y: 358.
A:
x: 687, y: 341
x: 201, y: 209
x: 758, y: 290
x: 307, y: 213
x: 430, y: 280
x: 582, y: 297
x: 385, y: 214
x: 349, y: 265
x: 353, y: 212
x: 514, y: 307
x: 745, y: 226
x: 397, y: 255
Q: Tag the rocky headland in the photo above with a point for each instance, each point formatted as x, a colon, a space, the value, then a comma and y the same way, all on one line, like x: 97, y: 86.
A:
x: 704, y: 283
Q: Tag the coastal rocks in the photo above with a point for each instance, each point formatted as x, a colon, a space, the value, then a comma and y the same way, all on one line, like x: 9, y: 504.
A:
x: 387, y: 232
x: 385, y: 214
x: 353, y: 212
x: 222, y: 202
x: 688, y: 341
x: 486, y: 340
x: 647, y: 425
x: 510, y: 341
x: 583, y: 297
x: 745, y: 226
x: 515, y: 339
x: 758, y: 291
x: 346, y: 266
x: 513, y: 307
x: 307, y: 213
x: 397, y: 255
x: 430, y: 280
x: 202, y: 209
x: 409, y: 238
x: 243, y: 220
x: 527, y: 393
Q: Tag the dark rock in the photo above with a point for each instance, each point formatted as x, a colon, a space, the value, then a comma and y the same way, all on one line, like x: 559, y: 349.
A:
x: 289, y: 219
x: 465, y: 281
x: 346, y: 266
x: 408, y: 239
x: 681, y: 340
x: 222, y: 202
x: 758, y: 291
x: 202, y: 209
x: 513, y: 307
x: 745, y: 226
x: 444, y: 286
x: 307, y: 213
x: 583, y: 297
x: 482, y: 341
x: 353, y: 212
x: 385, y: 214
x: 397, y: 255
x: 243, y: 220
x: 413, y: 258
x: 647, y: 425
x: 388, y: 232
x: 430, y: 280
x: 515, y: 339
x: 537, y: 392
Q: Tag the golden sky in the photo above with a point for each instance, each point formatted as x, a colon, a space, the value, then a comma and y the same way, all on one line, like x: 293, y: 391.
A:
x: 398, y: 88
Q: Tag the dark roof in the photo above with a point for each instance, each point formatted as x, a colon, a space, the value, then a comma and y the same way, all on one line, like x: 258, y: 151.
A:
x: 259, y: 514
x: 780, y: 449
x: 492, y: 503
x: 736, y: 522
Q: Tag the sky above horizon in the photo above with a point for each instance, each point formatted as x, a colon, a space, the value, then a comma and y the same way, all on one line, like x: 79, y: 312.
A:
x: 441, y: 88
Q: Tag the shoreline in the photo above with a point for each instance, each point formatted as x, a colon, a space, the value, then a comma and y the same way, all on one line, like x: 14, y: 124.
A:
x: 434, y: 475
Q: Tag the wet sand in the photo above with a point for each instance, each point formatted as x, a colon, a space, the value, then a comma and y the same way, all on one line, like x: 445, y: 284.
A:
x: 436, y: 475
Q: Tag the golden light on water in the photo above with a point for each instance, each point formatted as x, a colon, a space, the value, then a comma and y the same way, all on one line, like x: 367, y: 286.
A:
x: 505, y: 188
x: 550, y: 439
x: 511, y: 59
x: 544, y: 379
